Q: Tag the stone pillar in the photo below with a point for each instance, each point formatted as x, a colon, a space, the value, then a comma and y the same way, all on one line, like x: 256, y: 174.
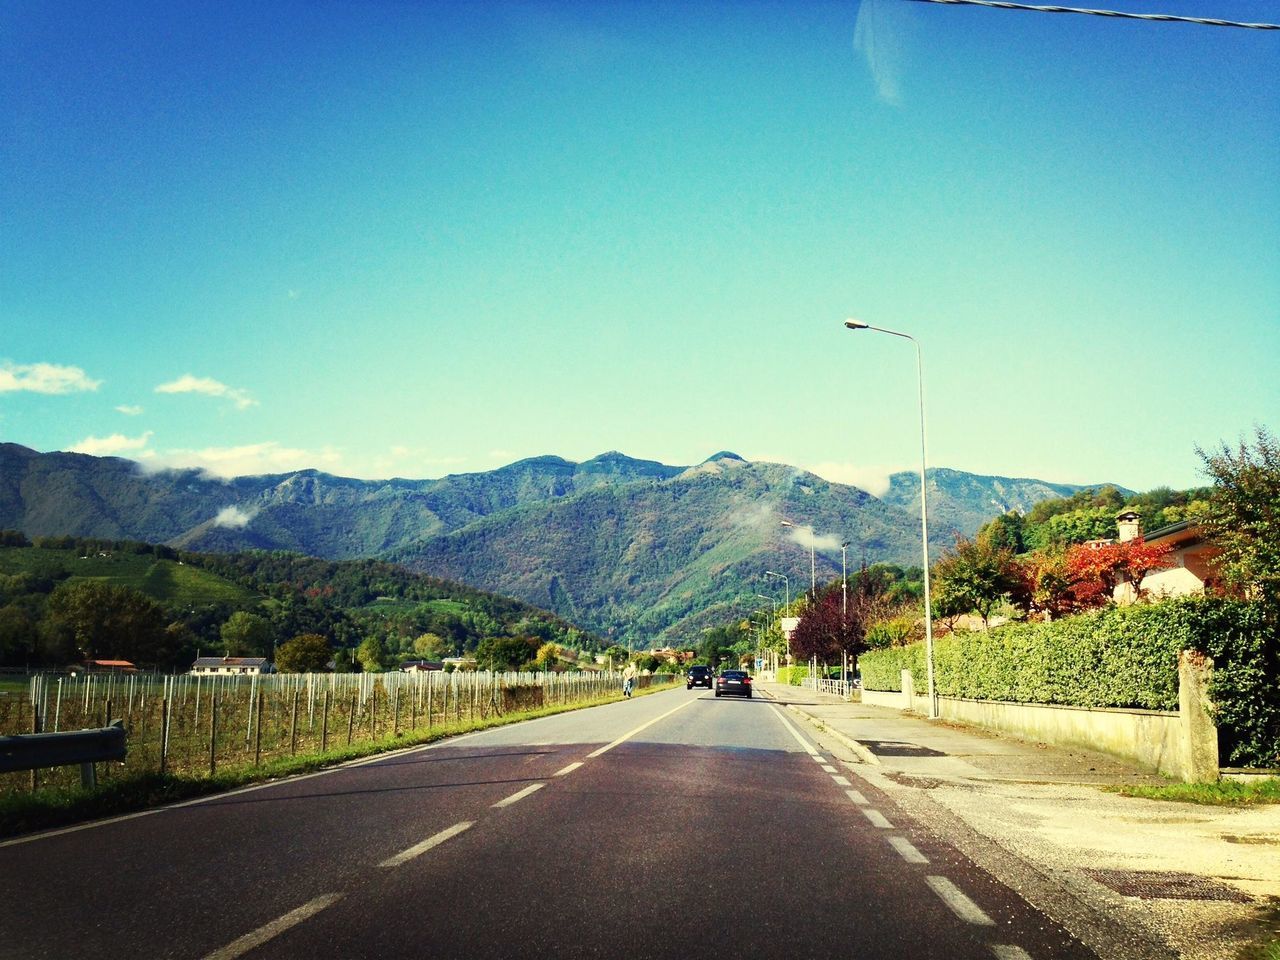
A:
x: 1199, y: 732
x: 908, y: 690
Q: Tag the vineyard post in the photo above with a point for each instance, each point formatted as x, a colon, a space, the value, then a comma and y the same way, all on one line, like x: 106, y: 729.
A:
x: 213, y: 734
x: 351, y: 719
x: 324, y: 725
x: 430, y: 686
x: 164, y: 733
x: 257, y: 733
x: 35, y: 728
x: 293, y: 725
x: 395, y: 723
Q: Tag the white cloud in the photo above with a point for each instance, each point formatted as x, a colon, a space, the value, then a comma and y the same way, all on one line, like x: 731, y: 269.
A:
x: 129, y: 410
x: 234, y: 518
x: 501, y: 454
x: 879, y: 35
x: 113, y: 445
x: 252, y: 459
x: 872, y: 478
x: 805, y: 536
x: 210, y: 387
x: 44, y: 378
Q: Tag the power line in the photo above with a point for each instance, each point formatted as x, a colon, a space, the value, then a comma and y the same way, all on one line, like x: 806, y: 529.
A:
x: 1162, y: 17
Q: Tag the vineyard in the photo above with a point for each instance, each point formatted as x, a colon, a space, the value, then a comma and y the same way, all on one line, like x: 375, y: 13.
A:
x: 195, y: 726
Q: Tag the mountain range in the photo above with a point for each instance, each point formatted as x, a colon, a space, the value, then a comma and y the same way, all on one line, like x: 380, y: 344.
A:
x: 629, y: 548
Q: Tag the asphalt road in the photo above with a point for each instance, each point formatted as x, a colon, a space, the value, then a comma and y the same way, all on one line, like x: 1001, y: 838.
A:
x: 666, y: 826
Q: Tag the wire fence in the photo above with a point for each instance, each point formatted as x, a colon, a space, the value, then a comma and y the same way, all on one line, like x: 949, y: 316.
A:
x: 197, y: 725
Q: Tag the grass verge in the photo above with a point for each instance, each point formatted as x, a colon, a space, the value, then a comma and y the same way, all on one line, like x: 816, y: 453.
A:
x: 1223, y: 793
x: 47, y: 809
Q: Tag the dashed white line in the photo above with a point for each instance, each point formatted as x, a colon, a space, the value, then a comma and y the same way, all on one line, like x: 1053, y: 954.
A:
x: 819, y: 758
x: 627, y: 736
x: 857, y: 797
x: 569, y: 769
x: 1004, y: 952
x: 519, y: 795
x: 960, y: 905
x: 420, y: 848
x: 907, y: 850
x: 829, y: 768
x: 256, y: 938
x: 842, y: 781
x: 877, y: 818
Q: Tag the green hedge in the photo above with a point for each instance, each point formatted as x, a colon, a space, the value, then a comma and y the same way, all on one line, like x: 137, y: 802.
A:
x: 1116, y: 657
x: 792, y: 675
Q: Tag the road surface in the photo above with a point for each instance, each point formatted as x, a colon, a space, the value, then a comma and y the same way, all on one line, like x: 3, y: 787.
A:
x: 670, y: 825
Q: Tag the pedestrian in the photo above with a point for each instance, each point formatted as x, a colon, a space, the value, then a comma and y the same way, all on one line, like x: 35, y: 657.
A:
x: 628, y: 679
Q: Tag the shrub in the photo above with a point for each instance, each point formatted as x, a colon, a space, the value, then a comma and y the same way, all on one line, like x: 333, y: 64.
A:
x: 1116, y: 657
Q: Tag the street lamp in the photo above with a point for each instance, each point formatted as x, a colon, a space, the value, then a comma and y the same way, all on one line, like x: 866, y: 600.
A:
x: 813, y: 565
x: 924, y: 509
x: 786, y: 582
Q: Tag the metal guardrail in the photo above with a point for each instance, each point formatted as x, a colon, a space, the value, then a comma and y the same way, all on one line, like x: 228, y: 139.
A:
x: 36, y: 751
x: 841, y: 688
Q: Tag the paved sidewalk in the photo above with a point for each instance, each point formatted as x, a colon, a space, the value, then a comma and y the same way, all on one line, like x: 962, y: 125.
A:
x: 1131, y: 878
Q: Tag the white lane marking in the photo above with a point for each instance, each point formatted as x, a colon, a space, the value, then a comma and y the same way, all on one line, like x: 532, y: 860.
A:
x: 420, y: 848
x: 842, y: 781
x: 569, y: 769
x: 519, y: 795
x: 1004, y: 952
x: 819, y: 758
x: 908, y: 850
x: 644, y: 726
x: 829, y: 768
x: 857, y: 797
x: 877, y: 818
x: 960, y: 905
x: 238, y: 948
x: 808, y: 748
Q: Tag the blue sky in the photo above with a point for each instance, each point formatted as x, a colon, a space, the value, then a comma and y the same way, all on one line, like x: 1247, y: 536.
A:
x: 411, y: 239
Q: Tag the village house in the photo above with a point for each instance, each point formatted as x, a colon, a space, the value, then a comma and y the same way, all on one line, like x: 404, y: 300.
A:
x: 231, y: 666
x: 1190, y: 570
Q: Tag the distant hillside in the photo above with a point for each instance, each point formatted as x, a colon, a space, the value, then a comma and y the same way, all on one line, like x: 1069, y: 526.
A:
x: 626, y: 546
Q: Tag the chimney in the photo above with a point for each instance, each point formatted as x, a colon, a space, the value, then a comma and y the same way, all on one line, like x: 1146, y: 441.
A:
x: 1128, y: 525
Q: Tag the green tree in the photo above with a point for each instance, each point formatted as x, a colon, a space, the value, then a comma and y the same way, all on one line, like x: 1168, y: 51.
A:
x: 976, y: 576
x: 105, y: 621
x: 431, y: 646
x: 246, y: 635
x: 305, y: 653
x: 18, y: 634
x: 1244, y: 513
x: 372, y: 654
x: 505, y: 653
x: 548, y: 656
x: 616, y: 656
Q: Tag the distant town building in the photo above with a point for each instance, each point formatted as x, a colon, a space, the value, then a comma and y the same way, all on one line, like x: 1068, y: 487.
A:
x: 421, y: 666
x: 231, y: 666
x: 106, y: 666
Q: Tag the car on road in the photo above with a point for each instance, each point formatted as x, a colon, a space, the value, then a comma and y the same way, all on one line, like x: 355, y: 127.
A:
x: 698, y: 676
x: 733, y: 683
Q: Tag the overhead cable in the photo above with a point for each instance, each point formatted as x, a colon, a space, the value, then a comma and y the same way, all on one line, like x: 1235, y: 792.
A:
x: 1161, y: 17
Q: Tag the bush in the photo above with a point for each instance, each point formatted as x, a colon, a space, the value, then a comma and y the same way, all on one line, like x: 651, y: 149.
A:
x: 792, y: 675
x: 1117, y: 657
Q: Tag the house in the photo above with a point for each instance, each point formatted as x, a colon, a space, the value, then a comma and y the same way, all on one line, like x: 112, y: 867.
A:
x: 1190, y: 571
x: 421, y: 666
x: 108, y: 666
x: 231, y: 666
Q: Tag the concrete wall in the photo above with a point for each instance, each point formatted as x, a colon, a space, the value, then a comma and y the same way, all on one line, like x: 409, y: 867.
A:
x: 1181, y: 744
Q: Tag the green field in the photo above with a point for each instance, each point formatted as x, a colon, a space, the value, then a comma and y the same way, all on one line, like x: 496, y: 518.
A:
x: 164, y: 580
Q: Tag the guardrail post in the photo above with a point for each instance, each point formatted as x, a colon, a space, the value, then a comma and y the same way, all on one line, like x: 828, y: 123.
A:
x: 88, y: 776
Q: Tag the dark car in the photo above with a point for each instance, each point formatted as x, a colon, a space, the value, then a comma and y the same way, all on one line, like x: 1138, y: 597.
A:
x: 733, y: 683
x: 698, y: 677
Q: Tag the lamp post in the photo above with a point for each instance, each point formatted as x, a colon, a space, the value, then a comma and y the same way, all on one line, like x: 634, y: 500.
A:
x: 813, y: 564
x: 786, y: 583
x: 924, y: 509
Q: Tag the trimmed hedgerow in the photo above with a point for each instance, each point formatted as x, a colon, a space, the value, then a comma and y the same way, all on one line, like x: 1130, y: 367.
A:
x: 1117, y: 657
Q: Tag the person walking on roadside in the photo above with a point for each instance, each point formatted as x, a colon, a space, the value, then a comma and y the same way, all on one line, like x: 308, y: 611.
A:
x: 628, y: 679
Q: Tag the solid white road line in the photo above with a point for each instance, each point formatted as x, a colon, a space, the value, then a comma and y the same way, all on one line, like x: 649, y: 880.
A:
x: 569, y: 769
x: 249, y: 941
x: 519, y: 795
x: 808, y: 747
x: 907, y: 850
x: 420, y: 848
x: 627, y: 736
x: 857, y: 797
x: 842, y: 781
x: 877, y: 818
x: 1004, y: 952
x: 960, y: 905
